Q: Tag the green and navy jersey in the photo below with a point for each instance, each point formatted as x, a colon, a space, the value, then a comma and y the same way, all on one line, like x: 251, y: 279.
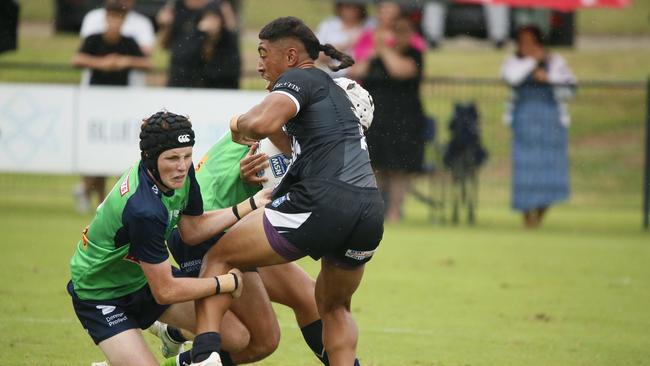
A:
x: 218, y: 175
x: 129, y: 227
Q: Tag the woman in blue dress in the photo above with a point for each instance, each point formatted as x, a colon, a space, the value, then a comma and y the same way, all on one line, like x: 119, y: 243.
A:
x: 540, y: 82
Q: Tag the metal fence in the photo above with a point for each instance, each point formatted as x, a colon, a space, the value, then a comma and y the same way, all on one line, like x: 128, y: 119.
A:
x: 608, y: 139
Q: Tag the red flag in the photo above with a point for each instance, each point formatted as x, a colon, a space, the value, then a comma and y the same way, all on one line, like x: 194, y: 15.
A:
x: 563, y: 5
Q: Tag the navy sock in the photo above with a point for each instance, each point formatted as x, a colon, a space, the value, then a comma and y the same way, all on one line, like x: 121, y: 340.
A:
x: 184, y: 358
x: 204, y: 344
x: 175, y: 334
x: 226, y: 360
x: 313, y: 335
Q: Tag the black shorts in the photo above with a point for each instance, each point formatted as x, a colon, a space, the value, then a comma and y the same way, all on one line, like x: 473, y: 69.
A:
x: 326, y: 218
x: 103, y: 319
x: 189, y: 257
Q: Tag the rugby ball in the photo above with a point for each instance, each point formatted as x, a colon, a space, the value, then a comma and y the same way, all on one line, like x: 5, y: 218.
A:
x: 278, y: 163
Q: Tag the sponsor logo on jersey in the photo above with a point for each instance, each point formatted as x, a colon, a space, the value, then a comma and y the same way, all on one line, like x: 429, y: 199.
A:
x: 124, y: 187
x: 287, y: 85
x: 173, y: 216
x: 278, y: 201
x: 183, y: 138
x: 84, y: 238
x: 201, y: 163
x: 106, y: 309
x: 154, y: 188
x: 359, y: 254
x: 279, y: 164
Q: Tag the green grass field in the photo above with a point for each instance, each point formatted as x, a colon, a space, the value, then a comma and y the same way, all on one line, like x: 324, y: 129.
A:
x: 575, y: 292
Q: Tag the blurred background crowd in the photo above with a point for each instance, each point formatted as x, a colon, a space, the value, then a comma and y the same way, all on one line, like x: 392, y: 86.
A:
x: 392, y: 42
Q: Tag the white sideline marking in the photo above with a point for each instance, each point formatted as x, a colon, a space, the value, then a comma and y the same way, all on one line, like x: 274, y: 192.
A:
x: 282, y: 325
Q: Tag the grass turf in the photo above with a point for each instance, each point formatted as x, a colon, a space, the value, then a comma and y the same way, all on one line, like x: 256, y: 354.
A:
x: 572, y: 293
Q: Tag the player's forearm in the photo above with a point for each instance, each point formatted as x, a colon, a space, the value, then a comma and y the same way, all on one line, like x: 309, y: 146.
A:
x: 196, y: 229
x: 188, y: 289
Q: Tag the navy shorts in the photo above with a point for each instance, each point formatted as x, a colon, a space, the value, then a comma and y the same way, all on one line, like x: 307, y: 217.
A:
x: 189, y: 257
x: 103, y: 319
x: 326, y: 219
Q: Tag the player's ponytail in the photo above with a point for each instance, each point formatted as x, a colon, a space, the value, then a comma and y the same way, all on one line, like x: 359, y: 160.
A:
x: 345, y: 60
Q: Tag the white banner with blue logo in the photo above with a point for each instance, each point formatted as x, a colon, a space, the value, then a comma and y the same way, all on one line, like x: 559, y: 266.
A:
x: 95, y: 130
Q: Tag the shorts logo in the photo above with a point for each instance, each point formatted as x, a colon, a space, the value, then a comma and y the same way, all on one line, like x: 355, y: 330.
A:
x: 183, y: 138
x: 359, y: 254
x: 279, y: 164
x: 278, y: 201
x: 124, y: 187
x: 106, y: 309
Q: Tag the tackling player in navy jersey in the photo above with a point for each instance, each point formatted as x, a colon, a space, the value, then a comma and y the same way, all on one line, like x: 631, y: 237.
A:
x: 327, y: 205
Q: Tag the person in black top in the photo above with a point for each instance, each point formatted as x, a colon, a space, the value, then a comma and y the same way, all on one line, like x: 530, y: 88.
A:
x: 204, y: 47
x: 327, y: 205
x: 110, y: 55
x: 396, y: 141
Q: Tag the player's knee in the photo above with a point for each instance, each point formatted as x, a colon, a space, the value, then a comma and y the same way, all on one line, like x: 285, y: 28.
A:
x: 236, y: 339
x: 333, y: 306
x: 263, y: 345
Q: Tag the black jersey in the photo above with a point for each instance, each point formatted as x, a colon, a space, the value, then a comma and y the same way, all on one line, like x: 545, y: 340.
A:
x: 328, y: 141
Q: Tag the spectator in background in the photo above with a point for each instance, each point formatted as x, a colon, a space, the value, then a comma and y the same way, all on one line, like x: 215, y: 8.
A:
x: 392, y: 72
x: 109, y: 56
x: 202, y: 38
x: 342, y: 30
x: 136, y: 26
x: 387, y: 12
x: 540, y: 82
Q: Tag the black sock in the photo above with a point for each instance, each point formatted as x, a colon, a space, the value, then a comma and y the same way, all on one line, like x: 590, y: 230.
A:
x: 204, y: 344
x: 184, y: 358
x: 313, y: 335
x: 226, y: 360
x: 175, y: 334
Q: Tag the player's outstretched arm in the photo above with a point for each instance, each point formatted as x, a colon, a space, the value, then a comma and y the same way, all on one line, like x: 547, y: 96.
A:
x: 197, y: 229
x: 168, y: 289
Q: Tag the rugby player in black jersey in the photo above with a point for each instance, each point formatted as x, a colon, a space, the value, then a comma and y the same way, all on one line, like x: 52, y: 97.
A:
x: 327, y: 205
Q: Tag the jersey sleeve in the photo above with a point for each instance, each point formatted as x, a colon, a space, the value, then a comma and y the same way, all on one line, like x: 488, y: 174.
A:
x: 296, y: 85
x: 146, y: 235
x: 194, y: 199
